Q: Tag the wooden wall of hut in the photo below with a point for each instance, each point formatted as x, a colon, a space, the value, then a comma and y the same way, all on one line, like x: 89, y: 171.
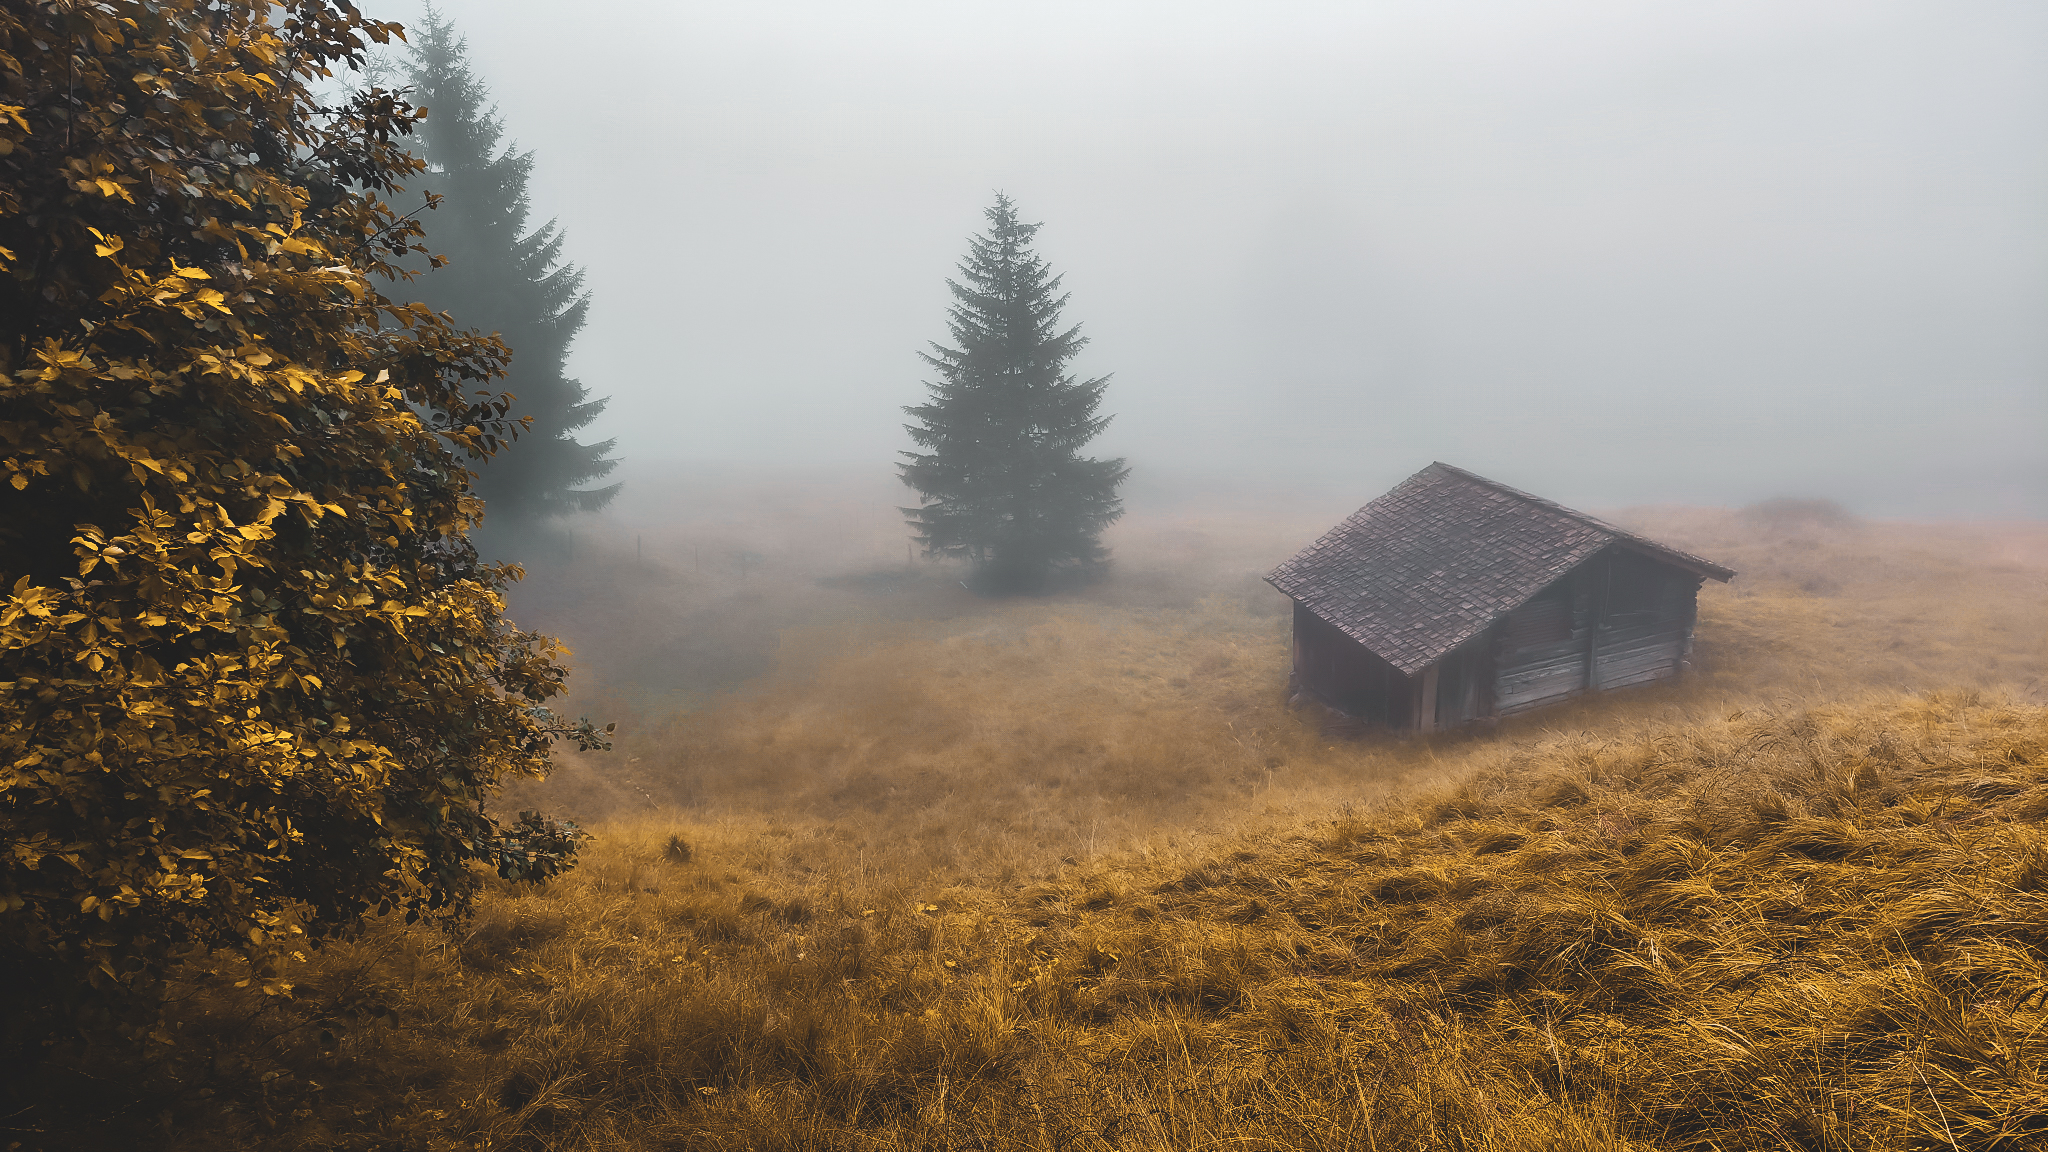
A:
x: 1464, y: 684
x: 1619, y: 619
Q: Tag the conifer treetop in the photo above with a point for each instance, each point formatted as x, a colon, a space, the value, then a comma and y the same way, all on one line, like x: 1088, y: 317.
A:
x: 506, y: 279
x: 1000, y: 474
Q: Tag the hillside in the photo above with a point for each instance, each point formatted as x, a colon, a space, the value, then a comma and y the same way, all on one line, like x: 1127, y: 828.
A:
x: 1819, y: 929
x: 1071, y: 875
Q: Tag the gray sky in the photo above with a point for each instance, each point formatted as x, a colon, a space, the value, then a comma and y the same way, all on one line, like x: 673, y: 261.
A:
x: 1613, y: 252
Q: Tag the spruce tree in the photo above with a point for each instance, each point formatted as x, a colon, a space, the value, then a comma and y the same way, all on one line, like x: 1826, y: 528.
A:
x: 503, y: 278
x: 1001, y: 477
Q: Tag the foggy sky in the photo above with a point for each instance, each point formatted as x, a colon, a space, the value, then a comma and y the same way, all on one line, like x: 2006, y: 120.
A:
x: 1612, y: 252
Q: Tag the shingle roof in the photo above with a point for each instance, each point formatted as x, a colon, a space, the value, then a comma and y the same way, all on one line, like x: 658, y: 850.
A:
x: 1443, y: 555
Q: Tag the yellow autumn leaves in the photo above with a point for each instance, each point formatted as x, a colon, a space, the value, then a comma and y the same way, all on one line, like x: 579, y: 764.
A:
x: 253, y: 680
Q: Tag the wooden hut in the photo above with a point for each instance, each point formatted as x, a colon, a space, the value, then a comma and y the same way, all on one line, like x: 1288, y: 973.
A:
x: 1453, y: 598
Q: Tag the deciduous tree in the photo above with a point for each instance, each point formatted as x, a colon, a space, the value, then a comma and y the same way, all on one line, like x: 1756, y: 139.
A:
x: 1001, y: 474
x: 253, y: 680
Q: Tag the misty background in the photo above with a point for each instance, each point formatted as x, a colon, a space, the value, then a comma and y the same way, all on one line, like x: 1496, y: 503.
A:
x: 1614, y: 253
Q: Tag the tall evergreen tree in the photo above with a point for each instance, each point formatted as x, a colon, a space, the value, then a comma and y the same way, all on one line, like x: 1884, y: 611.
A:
x: 1001, y: 477
x: 502, y: 277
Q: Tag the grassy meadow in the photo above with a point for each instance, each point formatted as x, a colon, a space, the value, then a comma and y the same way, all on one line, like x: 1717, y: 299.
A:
x: 879, y: 865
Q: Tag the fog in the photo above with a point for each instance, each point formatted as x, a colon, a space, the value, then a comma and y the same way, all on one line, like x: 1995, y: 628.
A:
x: 1613, y: 253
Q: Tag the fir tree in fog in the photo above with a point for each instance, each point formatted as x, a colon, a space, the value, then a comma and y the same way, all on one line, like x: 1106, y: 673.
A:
x: 501, y: 277
x: 1002, y: 477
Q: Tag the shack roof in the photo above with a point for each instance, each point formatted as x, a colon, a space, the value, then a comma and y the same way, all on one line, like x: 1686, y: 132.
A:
x: 1438, y: 559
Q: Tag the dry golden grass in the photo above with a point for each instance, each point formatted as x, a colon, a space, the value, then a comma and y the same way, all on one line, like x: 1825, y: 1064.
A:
x: 1069, y: 874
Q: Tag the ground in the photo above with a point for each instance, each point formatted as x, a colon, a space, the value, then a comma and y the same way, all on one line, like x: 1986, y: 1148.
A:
x: 880, y: 865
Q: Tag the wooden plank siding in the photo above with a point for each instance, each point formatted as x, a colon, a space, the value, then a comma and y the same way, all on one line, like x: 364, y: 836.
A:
x: 1465, y: 684
x: 1618, y: 620
x: 1542, y: 656
x: 1644, y: 630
